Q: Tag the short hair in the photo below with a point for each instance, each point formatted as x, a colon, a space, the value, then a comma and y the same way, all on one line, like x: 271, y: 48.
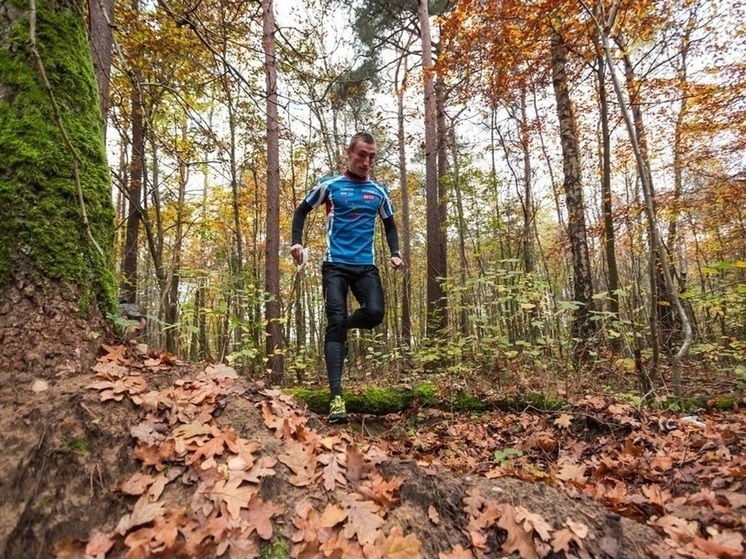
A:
x: 364, y: 137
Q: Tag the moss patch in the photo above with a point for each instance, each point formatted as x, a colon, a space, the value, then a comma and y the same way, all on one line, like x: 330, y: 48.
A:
x: 378, y: 400
x: 44, y: 224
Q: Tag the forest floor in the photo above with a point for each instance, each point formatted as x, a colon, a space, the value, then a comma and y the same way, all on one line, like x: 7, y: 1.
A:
x: 147, y: 456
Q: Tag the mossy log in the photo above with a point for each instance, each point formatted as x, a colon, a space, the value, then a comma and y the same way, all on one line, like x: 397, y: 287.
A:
x: 377, y: 400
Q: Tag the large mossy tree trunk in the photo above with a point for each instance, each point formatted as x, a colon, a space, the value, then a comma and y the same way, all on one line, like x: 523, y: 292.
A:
x: 56, y: 226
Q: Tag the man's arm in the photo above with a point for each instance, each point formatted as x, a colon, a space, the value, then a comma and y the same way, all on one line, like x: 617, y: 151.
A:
x: 392, y: 239
x: 299, y: 219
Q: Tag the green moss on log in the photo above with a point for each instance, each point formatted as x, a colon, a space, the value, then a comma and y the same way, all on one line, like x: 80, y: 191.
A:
x: 43, y: 222
x: 378, y: 400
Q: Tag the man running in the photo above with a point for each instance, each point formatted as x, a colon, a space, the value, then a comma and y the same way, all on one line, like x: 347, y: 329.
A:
x: 352, y: 201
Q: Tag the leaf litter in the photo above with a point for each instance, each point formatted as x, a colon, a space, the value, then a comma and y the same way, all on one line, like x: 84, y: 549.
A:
x: 206, y: 486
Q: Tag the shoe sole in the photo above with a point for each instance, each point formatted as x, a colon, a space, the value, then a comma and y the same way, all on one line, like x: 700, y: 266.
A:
x: 335, y: 420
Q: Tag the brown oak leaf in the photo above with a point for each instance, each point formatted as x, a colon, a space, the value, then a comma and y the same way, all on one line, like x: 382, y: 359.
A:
x: 115, y: 353
x: 137, y: 484
x: 332, y: 516
x: 474, y: 502
x: 717, y: 549
x: 212, y: 447
x: 333, y: 472
x: 244, y: 453
x: 301, y: 460
x: 394, y: 546
x: 259, y: 516
x: 535, y: 522
x: 570, y: 471
x: 99, y: 544
x: 363, y: 519
x: 143, y: 512
x: 233, y: 494
x: 262, y: 468
x: 563, y: 421
x: 380, y: 490
x: 518, y: 539
x: 458, y: 553
x: 357, y: 469
x: 238, y: 543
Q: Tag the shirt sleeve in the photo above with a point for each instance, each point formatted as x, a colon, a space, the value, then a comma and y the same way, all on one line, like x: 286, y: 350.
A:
x: 386, y: 209
x: 317, y: 195
x: 299, y: 219
x: 392, y: 236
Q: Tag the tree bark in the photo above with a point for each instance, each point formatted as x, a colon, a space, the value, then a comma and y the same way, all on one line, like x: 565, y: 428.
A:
x: 101, y: 39
x: 56, y: 231
x: 582, y: 327
x: 272, y: 262
x: 406, y: 311
x: 436, y: 312
x: 606, y: 202
x: 647, y: 188
x: 128, y: 287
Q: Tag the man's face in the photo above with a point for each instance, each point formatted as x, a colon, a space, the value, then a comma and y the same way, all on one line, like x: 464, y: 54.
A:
x: 361, y: 157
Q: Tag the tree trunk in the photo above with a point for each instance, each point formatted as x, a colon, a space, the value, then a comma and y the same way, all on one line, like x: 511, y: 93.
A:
x: 436, y: 318
x: 406, y: 310
x: 56, y: 231
x: 101, y: 39
x: 174, y: 275
x: 607, y: 207
x: 582, y: 327
x: 662, y: 310
x: 527, y: 199
x: 442, y: 229
x: 236, y: 257
x: 647, y: 188
x: 272, y: 262
x: 128, y: 287
x: 462, y: 228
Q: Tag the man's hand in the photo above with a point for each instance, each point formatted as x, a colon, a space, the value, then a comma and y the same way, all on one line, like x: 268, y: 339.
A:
x: 296, y: 251
x: 397, y: 263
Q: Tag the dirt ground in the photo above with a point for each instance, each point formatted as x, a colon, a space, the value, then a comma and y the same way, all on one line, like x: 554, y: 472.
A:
x: 114, y: 451
x: 67, y: 454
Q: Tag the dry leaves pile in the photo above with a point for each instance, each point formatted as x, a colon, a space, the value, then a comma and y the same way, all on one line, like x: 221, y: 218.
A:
x: 684, y: 476
x: 330, y: 498
x: 179, y: 441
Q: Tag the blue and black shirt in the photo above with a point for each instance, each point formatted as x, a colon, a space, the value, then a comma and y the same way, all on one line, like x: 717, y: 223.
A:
x: 352, y: 204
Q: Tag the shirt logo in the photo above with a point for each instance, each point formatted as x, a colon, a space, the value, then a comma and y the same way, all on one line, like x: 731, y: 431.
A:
x: 368, y: 197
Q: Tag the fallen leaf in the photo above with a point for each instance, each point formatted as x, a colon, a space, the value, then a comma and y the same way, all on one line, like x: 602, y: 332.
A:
x: 39, y: 386
x: 395, y: 546
x: 233, y: 494
x: 143, y: 512
x: 114, y: 353
x: 563, y: 421
x: 99, y: 544
x: 518, y: 539
x: 356, y: 467
x: 259, y: 514
x: 433, y: 515
x: 535, y: 522
x: 332, y: 516
x: 137, y: 484
x: 572, y: 472
x: 301, y: 460
x: 716, y: 549
x: 333, y: 472
x: 363, y: 520
x: 458, y: 553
